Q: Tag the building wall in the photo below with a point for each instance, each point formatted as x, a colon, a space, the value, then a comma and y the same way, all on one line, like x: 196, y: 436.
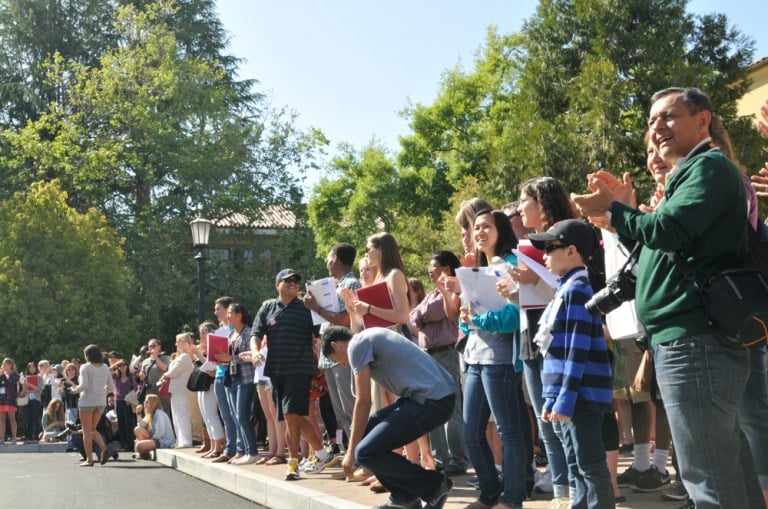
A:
x: 757, y: 95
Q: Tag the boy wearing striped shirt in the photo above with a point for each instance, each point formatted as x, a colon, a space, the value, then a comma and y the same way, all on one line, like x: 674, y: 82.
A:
x: 576, y: 373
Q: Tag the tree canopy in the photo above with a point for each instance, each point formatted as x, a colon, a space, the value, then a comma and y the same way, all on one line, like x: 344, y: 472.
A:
x: 154, y: 130
x: 63, y: 278
x: 565, y: 96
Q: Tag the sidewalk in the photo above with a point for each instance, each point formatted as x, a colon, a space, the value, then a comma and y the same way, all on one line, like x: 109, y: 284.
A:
x: 265, y: 485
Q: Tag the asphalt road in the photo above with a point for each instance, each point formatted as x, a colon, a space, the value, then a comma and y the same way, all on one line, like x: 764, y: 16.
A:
x: 55, y: 481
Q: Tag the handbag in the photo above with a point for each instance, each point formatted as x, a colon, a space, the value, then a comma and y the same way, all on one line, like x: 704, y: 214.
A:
x: 199, y: 380
x: 164, y: 391
x: 736, y: 302
x: 22, y: 400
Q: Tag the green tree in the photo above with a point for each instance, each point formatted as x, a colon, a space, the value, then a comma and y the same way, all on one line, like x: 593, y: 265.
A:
x: 62, y: 277
x: 154, y: 135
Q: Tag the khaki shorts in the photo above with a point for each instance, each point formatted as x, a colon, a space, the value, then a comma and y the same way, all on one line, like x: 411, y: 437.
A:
x: 631, y: 356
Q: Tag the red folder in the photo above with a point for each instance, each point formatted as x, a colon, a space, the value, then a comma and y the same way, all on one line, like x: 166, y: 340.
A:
x: 217, y: 344
x: 33, y: 380
x: 531, y: 252
x: 376, y: 295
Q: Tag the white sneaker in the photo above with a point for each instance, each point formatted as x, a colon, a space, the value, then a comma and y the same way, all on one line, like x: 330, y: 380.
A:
x: 544, y: 484
x: 325, y: 458
x: 246, y: 460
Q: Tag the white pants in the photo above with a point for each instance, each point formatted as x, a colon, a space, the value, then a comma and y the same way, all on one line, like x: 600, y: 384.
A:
x: 182, y: 424
x: 209, y: 408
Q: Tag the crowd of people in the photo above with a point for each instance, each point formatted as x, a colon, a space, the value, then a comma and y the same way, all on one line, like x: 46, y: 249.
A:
x: 540, y: 391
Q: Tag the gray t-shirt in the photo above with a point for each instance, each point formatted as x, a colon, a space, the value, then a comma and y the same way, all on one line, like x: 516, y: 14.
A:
x: 399, y: 365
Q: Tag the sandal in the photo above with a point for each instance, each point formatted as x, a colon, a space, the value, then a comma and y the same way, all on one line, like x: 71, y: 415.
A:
x: 263, y: 460
x: 275, y: 460
x: 370, y: 480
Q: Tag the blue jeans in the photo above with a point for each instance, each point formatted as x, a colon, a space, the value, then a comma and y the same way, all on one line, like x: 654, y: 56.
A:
x: 582, y: 440
x: 702, y: 384
x: 447, y: 441
x: 495, y: 388
x: 753, y: 413
x: 240, y: 394
x: 558, y: 466
x: 394, y: 426
x: 230, y: 427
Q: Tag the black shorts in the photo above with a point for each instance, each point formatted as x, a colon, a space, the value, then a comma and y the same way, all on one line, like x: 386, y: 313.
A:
x: 291, y: 394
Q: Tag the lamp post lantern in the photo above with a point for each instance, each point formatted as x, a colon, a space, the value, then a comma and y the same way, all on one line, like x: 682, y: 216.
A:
x: 201, y: 229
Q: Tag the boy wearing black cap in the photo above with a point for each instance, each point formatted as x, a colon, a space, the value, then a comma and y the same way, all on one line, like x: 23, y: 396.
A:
x: 576, y: 373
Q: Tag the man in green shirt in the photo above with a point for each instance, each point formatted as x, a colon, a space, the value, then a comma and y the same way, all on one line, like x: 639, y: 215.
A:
x: 704, y: 216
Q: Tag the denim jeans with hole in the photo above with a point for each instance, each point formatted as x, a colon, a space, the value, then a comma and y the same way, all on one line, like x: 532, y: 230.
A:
x: 230, y: 426
x: 582, y: 440
x: 702, y: 384
x: 495, y: 388
x: 392, y: 427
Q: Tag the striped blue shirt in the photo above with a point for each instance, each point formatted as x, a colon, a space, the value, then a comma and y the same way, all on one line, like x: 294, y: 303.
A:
x: 576, y: 365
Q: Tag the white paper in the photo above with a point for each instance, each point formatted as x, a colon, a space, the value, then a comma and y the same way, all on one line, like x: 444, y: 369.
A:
x: 259, y: 376
x: 528, y: 296
x: 132, y: 365
x: 478, y: 289
x: 324, y: 292
x: 209, y: 366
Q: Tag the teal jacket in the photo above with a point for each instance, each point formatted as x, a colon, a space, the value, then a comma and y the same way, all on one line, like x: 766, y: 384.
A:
x: 703, y: 215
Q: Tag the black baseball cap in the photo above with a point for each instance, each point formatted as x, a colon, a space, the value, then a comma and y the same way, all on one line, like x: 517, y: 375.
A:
x: 569, y: 232
x: 285, y: 274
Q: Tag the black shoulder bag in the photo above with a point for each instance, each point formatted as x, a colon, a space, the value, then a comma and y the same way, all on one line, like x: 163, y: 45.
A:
x: 736, y: 302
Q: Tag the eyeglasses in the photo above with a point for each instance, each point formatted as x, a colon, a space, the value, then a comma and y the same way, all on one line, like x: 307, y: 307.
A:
x: 551, y: 247
x: 291, y: 281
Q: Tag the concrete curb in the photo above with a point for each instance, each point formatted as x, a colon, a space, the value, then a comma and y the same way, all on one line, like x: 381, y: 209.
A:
x: 261, y: 489
x: 36, y: 447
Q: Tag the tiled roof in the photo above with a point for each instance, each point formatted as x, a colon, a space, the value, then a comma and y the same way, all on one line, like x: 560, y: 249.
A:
x: 757, y: 64
x: 273, y: 216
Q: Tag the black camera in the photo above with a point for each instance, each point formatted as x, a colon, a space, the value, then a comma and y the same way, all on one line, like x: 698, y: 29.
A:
x: 620, y: 288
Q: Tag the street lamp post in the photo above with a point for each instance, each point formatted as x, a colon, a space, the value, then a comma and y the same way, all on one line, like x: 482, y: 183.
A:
x: 201, y: 229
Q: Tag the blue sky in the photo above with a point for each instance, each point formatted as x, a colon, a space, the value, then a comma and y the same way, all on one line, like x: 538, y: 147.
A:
x: 348, y: 67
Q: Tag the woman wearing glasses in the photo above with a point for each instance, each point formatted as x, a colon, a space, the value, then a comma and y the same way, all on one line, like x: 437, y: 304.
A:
x: 178, y: 373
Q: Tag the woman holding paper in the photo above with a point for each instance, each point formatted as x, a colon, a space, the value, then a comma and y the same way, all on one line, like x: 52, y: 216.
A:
x: 383, y: 254
x: 493, y: 377
x: 543, y: 202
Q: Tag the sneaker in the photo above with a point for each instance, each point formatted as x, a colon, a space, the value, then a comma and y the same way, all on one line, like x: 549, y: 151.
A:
x: 292, y: 472
x: 560, y: 503
x: 324, y: 458
x: 306, y: 461
x: 474, y: 482
x: 406, y: 504
x: 438, y: 499
x: 629, y: 478
x: 650, y: 480
x: 675, y: 492
x: 544, y: 483
x: 335, y: 448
